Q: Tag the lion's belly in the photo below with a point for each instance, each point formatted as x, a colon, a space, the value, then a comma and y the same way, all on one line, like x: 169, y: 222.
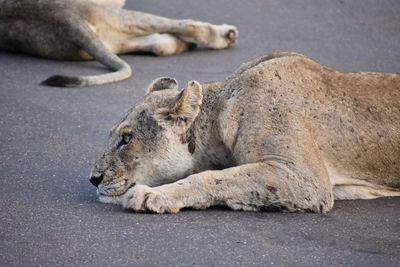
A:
x: 37, y: 38
x: 360, y: 160
x: 345, y: 187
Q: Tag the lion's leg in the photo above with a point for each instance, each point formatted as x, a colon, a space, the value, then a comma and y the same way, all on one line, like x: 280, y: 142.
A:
x: 133, y: 24
x: 111, y: 3
x: 159, y: 44
x: 255, y: 186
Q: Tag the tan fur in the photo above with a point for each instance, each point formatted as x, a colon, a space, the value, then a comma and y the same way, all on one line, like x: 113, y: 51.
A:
x: 99, y: 29
x: 283, y: 132
x: 112, y: 3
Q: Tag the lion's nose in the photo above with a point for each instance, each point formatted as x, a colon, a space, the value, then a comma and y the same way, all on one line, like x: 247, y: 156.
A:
x: 96, y: 179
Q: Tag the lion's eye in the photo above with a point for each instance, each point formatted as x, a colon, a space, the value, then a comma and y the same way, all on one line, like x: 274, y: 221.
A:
x: 125, y: 138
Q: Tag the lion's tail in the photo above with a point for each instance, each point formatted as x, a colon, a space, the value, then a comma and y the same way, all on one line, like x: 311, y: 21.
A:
x: 86, y: 39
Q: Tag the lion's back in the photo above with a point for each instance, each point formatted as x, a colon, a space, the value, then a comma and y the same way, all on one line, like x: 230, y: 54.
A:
x: 352, y: 118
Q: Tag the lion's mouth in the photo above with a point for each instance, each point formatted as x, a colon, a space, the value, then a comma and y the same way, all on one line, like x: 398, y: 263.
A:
x: 113, y: 193
x: 113, y: 198
x: 110, y: 199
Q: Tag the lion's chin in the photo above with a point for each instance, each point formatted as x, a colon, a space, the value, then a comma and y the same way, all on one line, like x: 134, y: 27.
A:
x: 110, y: 199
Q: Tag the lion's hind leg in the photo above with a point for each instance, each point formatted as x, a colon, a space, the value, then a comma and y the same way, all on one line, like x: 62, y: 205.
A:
x: 111, y: 3
x: 158, y: 44
x: 130, y: 24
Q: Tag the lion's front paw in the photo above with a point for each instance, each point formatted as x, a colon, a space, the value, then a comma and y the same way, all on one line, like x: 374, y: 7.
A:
x: 146, y: 199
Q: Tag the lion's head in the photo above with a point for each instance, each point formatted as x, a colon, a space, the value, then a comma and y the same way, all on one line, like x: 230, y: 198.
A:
x: 148, y: 146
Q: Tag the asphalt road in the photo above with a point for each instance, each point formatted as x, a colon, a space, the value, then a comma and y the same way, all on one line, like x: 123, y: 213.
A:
x: 50, y: 137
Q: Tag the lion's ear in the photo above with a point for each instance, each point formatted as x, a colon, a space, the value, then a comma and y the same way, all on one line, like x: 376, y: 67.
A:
x: 162, y: 84
x: 187, y: 105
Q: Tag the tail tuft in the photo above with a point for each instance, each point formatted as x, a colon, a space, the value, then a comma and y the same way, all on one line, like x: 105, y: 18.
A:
x: 64, y: 81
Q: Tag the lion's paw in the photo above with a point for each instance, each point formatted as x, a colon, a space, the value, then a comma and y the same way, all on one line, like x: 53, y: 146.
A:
x: 224, y: 36
x: 142, y: 198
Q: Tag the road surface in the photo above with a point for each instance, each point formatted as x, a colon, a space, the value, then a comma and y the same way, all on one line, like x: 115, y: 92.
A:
x: 50, y: 137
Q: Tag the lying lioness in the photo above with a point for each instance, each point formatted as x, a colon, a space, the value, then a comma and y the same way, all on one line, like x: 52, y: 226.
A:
x: 283, y: 132
x: 99, y: 29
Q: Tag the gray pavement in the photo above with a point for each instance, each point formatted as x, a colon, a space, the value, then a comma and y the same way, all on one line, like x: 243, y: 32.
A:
x: 50, y: 137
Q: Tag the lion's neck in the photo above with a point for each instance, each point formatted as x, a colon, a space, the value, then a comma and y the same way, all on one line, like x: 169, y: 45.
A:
x: 205, y: 142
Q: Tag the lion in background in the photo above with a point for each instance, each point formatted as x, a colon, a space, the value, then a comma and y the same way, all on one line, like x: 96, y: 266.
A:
x: 99, y: 29
x: 283, y: 132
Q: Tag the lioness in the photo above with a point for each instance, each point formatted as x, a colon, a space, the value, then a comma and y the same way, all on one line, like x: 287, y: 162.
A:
x: 283, y: 132
x: 99, y: 29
